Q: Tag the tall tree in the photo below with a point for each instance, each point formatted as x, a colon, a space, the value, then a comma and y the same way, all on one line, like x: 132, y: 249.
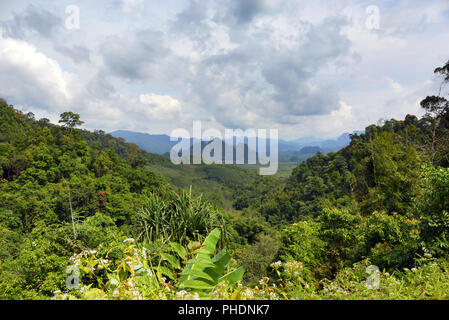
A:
x: 444, y: 72
x: 70, y: 120
x: 438, y: 108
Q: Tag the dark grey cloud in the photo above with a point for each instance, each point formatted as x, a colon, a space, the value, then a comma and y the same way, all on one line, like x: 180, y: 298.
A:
x: 291, y: 73
x: 245, y: 11
x: 100, y: 86
x: 238, y: 13
x: 135, y: 57
x: 33, y: 19
x: 194, y: 13
x: 76, y: 53
x: 192, y: 22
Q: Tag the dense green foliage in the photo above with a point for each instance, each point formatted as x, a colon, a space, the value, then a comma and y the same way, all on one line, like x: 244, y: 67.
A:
x: 60, y: 193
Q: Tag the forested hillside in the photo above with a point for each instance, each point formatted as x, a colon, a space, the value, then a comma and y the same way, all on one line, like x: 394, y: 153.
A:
x: 219, y: 183
x: 369, y: 221
x: 63, y: 190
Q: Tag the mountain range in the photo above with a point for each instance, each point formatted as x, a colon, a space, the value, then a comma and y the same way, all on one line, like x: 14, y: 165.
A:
x: 161, y: 144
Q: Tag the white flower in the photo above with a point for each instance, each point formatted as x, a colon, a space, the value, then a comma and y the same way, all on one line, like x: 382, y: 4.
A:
x: 293, y: 267
x: 181, y: 294
x: 192, y: 297
x: 248, y: 293
x: 137, y: 294
x: 129, y: 240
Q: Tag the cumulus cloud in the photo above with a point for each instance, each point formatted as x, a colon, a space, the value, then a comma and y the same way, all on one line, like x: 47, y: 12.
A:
x: 36, y: 81
x: 30, y: 76
x: 160, y: 106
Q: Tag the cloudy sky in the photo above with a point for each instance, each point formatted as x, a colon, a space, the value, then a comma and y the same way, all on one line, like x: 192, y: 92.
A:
x: 309, y: 68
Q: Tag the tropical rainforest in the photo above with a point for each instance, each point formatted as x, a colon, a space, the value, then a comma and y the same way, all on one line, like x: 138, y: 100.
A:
x: 84, y: 215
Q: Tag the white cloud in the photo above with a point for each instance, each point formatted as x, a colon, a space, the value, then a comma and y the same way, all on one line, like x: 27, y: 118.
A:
x: 160, y: 106
x: 395, y: 86
x: 132, y: 5
x: 29, y: 75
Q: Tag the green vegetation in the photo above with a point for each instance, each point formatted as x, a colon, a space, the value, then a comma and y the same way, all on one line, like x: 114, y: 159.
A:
x: 84, y: 215
x: 218, y: 183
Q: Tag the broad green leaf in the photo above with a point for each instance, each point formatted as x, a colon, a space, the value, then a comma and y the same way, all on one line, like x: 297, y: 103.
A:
x: 220, y: 262
x: 210, y: 242
x: 234, y: 276
x: 198, y: 274
x: 198, y: 263
x: 196, y: 284
x: 203, y: 259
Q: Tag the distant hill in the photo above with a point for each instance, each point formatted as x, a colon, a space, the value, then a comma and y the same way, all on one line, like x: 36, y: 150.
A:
x: 329, y: 145
x: 289, y: 151
x: 310, y: 150
x: 159, y: 144
x: 299, y: 156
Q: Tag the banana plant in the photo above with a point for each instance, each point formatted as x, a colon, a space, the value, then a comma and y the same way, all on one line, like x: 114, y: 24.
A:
x: 205, y: 270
